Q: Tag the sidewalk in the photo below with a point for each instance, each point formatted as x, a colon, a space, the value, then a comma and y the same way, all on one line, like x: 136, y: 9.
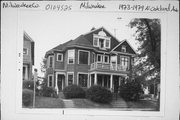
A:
x: 118, y: 102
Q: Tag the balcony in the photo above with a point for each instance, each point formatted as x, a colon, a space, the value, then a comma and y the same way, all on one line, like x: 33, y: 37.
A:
x: 108, y: 67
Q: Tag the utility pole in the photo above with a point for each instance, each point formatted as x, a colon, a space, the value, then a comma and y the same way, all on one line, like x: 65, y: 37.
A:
x: 35, y: 79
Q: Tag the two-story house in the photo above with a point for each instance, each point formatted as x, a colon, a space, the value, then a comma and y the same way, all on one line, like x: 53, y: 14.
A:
x: 94, y: 58
x: 28, y: 56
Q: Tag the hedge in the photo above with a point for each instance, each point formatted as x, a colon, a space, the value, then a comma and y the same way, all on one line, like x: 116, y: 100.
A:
x: 27, y: 97
x: 99, y: 94
x: 74, y: 91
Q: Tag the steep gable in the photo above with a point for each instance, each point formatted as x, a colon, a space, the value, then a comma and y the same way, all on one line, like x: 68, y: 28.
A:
x: 125, y: 44
x: 89, y: 37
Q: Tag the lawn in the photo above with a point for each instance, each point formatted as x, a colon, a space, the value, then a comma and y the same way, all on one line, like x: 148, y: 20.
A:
x: 49, y: 102
x: 85, y: 103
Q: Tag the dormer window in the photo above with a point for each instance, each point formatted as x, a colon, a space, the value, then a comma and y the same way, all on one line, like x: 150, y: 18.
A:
x: 101, y: 40
x: 123, y: 49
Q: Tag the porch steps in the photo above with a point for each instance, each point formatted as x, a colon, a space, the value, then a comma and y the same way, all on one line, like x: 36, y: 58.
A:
x: 118, y: 102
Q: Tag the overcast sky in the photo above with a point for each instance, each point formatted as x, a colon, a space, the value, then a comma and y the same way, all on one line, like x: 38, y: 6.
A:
x: 49, y: 29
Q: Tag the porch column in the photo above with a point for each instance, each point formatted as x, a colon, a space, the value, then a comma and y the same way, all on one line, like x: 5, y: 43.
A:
x: 89, y: 80
x: 111, y: 83
x: 95, y: 78
x: 56, y: 87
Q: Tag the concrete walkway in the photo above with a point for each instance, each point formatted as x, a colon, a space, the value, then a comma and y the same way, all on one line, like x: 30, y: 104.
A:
x: 68, y: 103
x: 118, y: 102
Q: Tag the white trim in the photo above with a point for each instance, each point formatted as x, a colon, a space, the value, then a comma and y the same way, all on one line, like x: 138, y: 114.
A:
x: 60, y: 73
x: 26, y: 50
x: 128, y: 60
x: 95, y: 36
x: 93, y: 61
x: 51, y: 75
x: 88, y: 56
x: 121, y: 43
x: 68, y: 56
x: 61, y: 57
x: 115, y: 52
x: 105, y: 30
x: 104, y: 58
x: 101, y: 58
x: 105, y: 38
x: 49, y: 61
x: 123, y: 48
x: 85, y: 73
x: 26, y: 76
x: 70, y: 73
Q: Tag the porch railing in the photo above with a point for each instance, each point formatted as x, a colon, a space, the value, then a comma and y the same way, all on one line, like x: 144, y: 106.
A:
x: 107, y: 66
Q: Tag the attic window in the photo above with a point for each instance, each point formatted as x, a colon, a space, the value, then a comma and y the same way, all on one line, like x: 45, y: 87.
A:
x: 100, y: 41
x: 123, y: 48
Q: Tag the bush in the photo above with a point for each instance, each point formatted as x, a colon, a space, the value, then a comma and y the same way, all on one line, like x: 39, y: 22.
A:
x: 28, y: 84
x: 99, y: 94
x: 74, y: 91
x: 27, y: 97
x: 48, y: 92
x: 131, y: 91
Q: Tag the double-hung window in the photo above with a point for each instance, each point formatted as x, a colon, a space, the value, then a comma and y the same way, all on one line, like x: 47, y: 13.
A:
x: 50, y: 81
x: 50, y: 61
x: 25, y: 51
x: 83, y: 57
x: 59, y: 57
x: 71, y: 56
x: 124, y: 61
x: 99, y: 58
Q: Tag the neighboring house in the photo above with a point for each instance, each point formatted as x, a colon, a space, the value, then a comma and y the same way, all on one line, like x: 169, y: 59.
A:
x: 28, y: 56
x: 94, y: 58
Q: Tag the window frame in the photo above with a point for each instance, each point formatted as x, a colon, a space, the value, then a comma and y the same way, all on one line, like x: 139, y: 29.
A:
x: 73, y: 56
x: 26, y: 51
x: 70, y: 73
x: 123, y: 48
x: 88, y: 56
x: 49, y: 58
x: 50, y: 75
x: 82, y: 73
x: 128, y: 61
x: 101, y: 58
x: 107, y: 59
x: 95, y: 36
x: 58, y: 57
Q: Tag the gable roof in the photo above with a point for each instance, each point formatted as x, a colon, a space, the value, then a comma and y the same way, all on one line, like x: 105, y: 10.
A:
x: 86, y: 40
x: 116, y: 48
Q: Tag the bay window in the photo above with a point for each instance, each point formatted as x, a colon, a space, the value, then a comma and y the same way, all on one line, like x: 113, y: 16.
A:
x: 71, y: 56
x: 83, y: 57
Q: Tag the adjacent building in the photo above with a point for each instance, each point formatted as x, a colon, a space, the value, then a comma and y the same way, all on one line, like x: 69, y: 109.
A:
x: 28, y: 56
x: 93, y: 58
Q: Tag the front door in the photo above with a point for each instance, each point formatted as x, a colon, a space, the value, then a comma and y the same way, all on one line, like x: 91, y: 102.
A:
x: 116, y: 83
x: 60, y: 79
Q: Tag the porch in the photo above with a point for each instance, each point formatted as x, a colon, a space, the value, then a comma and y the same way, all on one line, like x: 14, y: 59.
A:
x: 108, y: 67
x: 110, y: 81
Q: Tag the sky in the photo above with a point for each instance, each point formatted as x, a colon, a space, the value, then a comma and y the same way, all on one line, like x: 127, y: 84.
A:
x: 49, y: 29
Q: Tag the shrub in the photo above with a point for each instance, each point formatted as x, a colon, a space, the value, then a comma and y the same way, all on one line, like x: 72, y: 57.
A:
x: 74, y: 91
x: 28, y: 84
x: 27, y: 97
x: 131, y: 91
x: 99, y: 94
x: 48, y: 92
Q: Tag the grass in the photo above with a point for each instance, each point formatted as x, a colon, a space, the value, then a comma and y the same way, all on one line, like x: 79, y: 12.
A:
x: 49, y: 102
x: 85, y: 103
x: 143, y: 104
